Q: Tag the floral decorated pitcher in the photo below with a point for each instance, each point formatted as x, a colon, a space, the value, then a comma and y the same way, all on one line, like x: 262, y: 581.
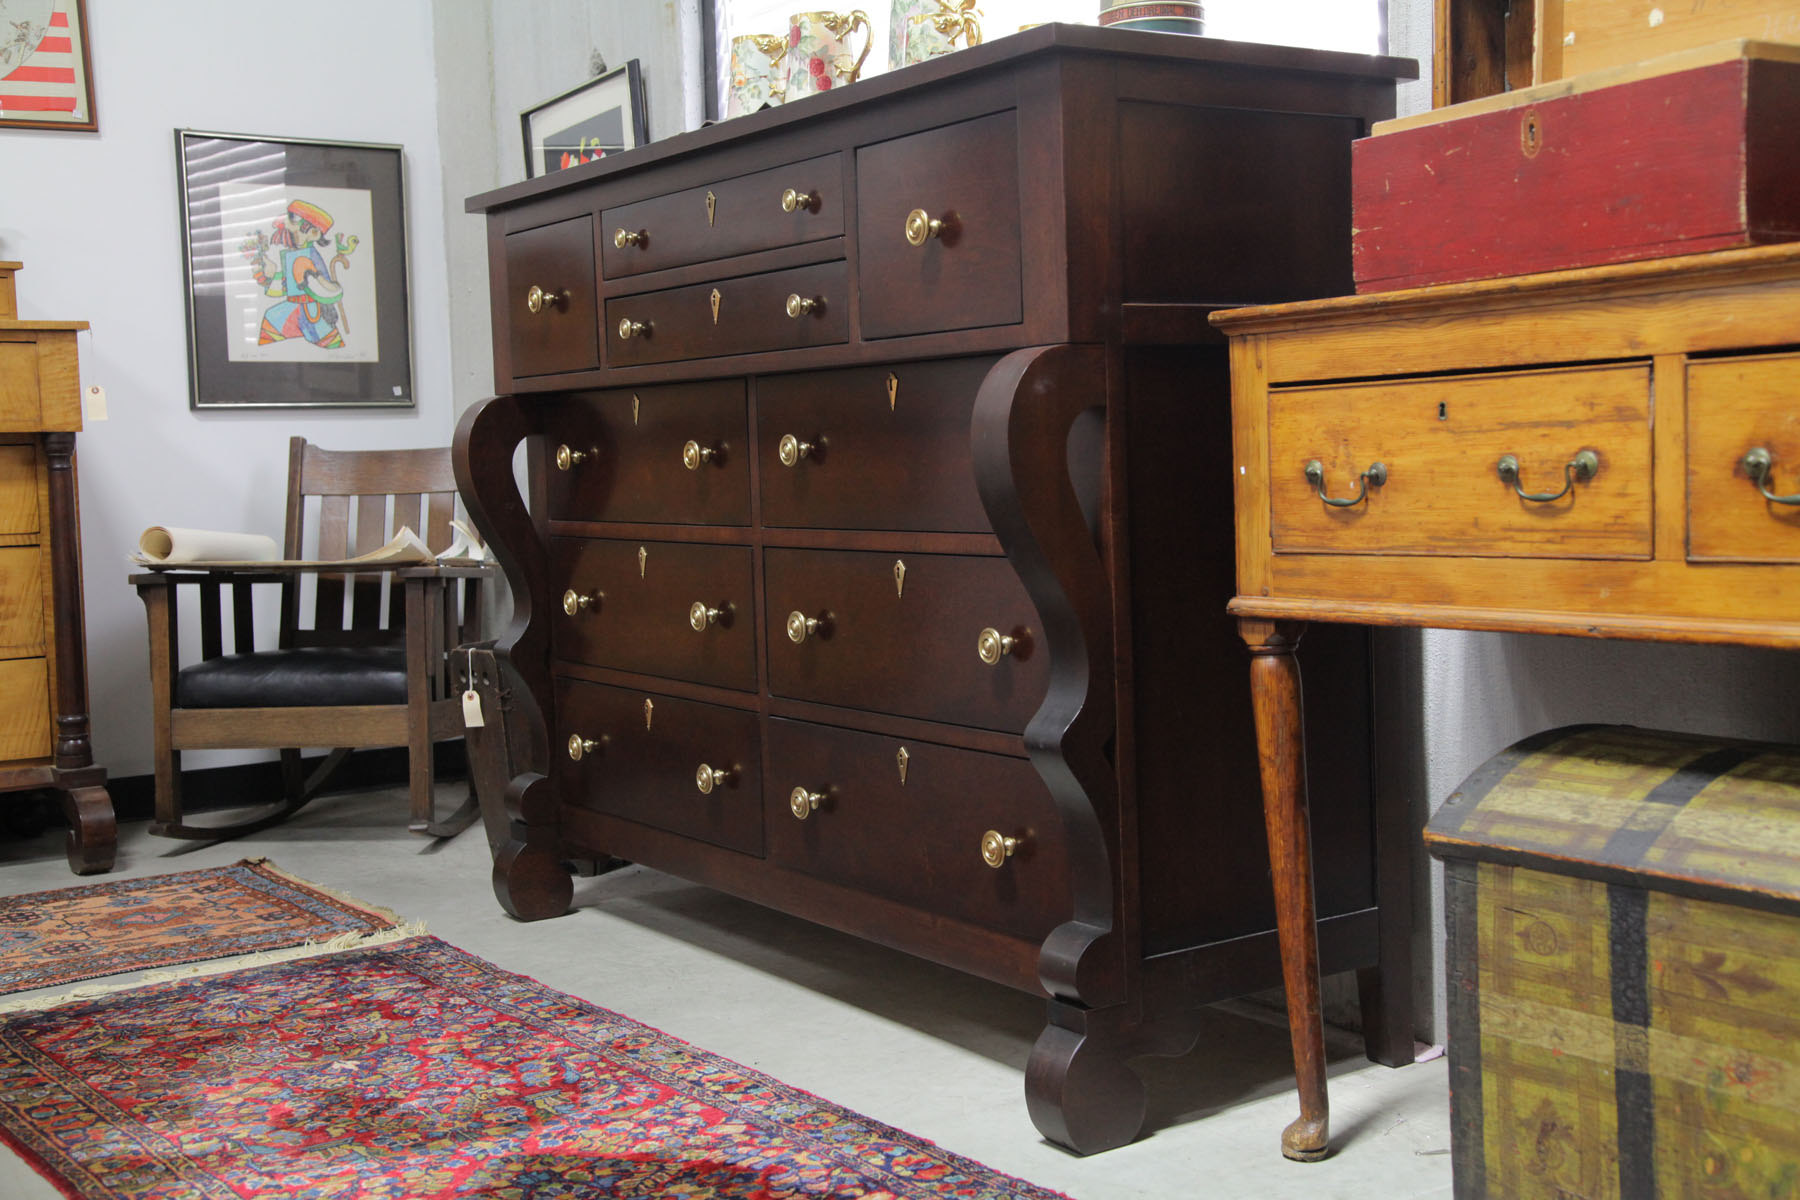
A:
x: 758, y: 73
x: 922, y: 29
x: 818, y: 51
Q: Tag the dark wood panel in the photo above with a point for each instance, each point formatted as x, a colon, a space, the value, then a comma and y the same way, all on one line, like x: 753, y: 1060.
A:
x: 731, y: 216
x: 917, y: 838
x: 966, y: 176
x: 634, y: 603
x: 878, y: 448
x: 733, y: 316
x: 643, y: 762
x: 909, y: 648
x: 562, y: 335
x: 634, y: 466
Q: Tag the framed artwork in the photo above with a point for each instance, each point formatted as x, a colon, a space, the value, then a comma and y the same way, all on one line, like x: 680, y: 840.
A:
x: 46, y: 72
x: 603, y: 116
x: 295, y: 255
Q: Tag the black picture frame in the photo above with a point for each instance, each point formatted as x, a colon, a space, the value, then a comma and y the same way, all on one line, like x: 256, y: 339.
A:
x: 606, y: 112
x: 289, y: 303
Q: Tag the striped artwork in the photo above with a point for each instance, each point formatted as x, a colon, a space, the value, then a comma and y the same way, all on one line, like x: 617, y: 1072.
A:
x: 44, y: 76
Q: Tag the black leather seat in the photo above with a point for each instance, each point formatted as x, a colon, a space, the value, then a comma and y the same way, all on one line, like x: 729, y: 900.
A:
x: 302, y: 678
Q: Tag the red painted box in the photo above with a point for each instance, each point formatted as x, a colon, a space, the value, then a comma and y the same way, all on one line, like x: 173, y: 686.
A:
x: 1585, y: 171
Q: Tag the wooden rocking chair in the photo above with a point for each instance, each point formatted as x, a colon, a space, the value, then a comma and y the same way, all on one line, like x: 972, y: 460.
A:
x: 355, y: 673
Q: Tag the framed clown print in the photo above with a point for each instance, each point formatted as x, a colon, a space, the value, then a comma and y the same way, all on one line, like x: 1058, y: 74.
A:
x: 296, y: 274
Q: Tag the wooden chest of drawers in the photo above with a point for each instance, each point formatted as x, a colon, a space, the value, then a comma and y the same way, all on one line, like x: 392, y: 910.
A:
x: 44, y: 741
x: 876, y: 556
x: 1609, y: 452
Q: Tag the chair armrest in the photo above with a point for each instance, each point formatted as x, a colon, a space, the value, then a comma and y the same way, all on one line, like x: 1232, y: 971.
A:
x: 446, y: 571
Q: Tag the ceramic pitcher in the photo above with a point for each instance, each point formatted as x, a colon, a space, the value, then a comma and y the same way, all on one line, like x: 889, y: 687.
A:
x: 818, y: 51
x: 922, y: 29
x: 758, y: 73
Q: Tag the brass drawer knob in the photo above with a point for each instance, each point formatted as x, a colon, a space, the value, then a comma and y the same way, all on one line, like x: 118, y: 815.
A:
x: 803, y: 803
x: 580, y: 747
x: 1375, y: 476
x: 921, y: 227
x: 542, y: 300
x: 693, y: 454
x: 993, y: 646
x: 798, y: 306
x: 792, y: 450
x: 567, y: 459
x: 800, y: 626
x: 794, y: 200
x: 707, y: 778
x: 627, y: 237
x: 1583, y: 467
x: 701, y: 616
x: 1758, y: 464
x: 996, y: 848
x: 629, y: 328
x: 574, y: 602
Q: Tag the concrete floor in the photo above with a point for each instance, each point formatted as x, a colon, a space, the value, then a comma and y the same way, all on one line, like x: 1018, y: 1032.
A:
x: 905, y: 1041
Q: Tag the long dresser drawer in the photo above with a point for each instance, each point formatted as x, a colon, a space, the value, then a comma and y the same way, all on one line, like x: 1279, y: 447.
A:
x: 785, y: 206
x: 672, y: 609
x: 551, y: 308
x: 674, y: 453
x: 1419, y: 466
x: 909, y: 634
x: 779, y: 310
x: 692, y: 769
x: 871, y: 448
x: 1743, y: 431
x: 923, y: 824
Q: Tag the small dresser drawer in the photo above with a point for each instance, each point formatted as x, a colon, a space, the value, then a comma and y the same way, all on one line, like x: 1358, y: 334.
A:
x: 692, y: 769
x: 1441, y: 443
x: 18, y: 488
x: 673, y: 453
x: 673, y: 609
x: 911, y: 821
x: 871, y: 448
x: 1736, y: 408
x: 551, y: 312
x: 918, y: 277
x: 780, y: 310
x: 21, y: 402
x: 786, y: 206
x: 21, y: 601
x: 905, y: 634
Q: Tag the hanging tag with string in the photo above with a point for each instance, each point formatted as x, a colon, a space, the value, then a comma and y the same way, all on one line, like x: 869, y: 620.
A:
x: 472, y: 718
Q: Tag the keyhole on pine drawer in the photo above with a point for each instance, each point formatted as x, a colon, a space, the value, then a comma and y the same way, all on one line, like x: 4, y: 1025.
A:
x: 1443, y: 411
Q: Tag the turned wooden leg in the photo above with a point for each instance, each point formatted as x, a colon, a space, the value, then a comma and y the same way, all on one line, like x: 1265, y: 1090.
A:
x: 1280, y: 745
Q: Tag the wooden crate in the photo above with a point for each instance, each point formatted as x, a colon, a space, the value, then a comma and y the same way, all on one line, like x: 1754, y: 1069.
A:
x: 1623, y: 961
x: 1694, y: 152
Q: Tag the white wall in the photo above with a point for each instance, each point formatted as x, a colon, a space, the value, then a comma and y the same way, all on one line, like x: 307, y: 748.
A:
x: 95, y: 219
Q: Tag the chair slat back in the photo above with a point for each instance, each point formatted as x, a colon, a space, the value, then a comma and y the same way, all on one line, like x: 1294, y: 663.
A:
x: 364, y: 497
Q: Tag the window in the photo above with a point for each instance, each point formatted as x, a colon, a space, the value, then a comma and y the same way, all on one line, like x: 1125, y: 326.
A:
x: 1353, y: 25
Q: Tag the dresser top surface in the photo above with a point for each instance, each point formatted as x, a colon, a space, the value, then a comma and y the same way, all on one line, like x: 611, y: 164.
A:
x: 996, y: 55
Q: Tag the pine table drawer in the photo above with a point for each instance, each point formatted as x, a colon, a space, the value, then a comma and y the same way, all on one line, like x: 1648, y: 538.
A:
x: 732, y: 216
x: 673, y: 609
x: 903, y: 634
x: 641, y: 756
x: 871, y: 448
x: 910, y: 820
x: 1440, y: 443
x: 966, y: 273
x: 673, y: 453
x: 779, y: 310
x: 1736, y: 407
x: 551, y: 309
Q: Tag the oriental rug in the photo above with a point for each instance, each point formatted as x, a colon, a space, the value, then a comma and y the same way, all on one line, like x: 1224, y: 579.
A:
x: 415, y: 1071
x: 251, y: 907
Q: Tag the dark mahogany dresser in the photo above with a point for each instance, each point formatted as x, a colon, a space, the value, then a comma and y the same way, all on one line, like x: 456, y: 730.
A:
x: 879, y: 529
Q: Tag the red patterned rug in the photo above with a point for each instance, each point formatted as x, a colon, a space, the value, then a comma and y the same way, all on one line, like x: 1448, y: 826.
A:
x: 251, y: 907
x: 414, y: 1071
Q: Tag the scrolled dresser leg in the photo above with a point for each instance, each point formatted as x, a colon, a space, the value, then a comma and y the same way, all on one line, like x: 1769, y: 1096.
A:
x: 1078, y: 1088
x: 93, y: 839
x: 531, y: 883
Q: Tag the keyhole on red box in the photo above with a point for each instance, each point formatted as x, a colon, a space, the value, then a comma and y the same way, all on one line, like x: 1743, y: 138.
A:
x: 1531, y: 136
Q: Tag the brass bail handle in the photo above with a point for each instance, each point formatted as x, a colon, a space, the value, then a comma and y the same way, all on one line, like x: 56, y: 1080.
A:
x: 1583, y: 467
x: 1758, y: 463
x: 996, y: 848
x: 1375, y: 476
x: 542, y: 300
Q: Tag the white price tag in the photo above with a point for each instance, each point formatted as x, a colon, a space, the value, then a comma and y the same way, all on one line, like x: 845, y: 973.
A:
x: 96, y: 402
x: 472, y: 718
